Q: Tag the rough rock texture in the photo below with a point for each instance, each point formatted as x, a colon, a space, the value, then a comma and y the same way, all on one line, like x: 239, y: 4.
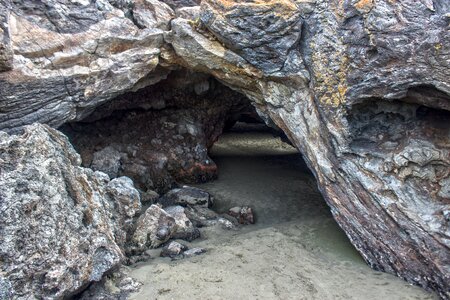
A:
x: 244, y: 214
x: 360, y: 87
x: 57, y: 227
x: 172, y: 125
x: 187, y: 196
x: 382, y: 164
x: 70, y: 56
x: 115, y: 286
x: 153, y: 228
x: 185, y: 228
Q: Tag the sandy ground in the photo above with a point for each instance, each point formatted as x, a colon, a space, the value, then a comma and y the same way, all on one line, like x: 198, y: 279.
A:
x: 295, y: 251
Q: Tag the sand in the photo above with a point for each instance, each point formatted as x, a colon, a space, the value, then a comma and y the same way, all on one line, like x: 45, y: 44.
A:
x: 294, y: 251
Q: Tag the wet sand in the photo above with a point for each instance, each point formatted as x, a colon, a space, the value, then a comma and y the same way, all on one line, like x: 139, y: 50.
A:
x: 294, y: 251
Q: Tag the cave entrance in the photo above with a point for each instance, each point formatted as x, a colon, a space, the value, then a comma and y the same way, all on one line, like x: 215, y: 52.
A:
x: 191, y: 129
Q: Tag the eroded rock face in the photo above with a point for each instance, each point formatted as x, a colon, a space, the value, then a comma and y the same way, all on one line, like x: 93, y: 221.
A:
x: 161, y: 134
x: 360, y: 87
x: 69, y: 57
x: 382, y: 165
x: 57, y: 232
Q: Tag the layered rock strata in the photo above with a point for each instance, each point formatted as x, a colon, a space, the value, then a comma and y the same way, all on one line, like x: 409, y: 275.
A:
x: 360, y: 87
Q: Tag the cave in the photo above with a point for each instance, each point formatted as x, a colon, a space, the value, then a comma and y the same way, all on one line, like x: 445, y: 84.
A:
x: 113, y: 111
x: 191, y: 130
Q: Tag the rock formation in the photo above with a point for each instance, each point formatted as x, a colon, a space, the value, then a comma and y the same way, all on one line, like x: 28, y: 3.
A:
x: 360, y: 87
x: 62, y: 226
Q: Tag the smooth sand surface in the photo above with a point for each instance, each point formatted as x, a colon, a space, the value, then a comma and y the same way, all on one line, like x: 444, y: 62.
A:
x: 294, y: 251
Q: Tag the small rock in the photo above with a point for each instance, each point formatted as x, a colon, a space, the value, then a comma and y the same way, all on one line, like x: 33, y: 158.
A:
x: 153, y: 228
x: 201, y: 216
x: 243, y: 214
x: 194, y: 252
x: 186, y: 196
x: 107, y: 160
x: 173, y: 249
x: 185, y: 228
x: 226, y: 224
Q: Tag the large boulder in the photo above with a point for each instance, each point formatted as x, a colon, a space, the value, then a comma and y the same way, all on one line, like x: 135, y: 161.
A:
x: 61, y: 225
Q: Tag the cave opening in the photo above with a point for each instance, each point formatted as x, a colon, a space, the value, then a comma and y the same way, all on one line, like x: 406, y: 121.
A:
x: 192, y: 130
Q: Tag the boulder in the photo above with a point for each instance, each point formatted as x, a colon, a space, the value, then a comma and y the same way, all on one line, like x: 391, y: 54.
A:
x: 201, y: 216
x: 61, y: 224
x: 185, y: 229
x: 153, y: 228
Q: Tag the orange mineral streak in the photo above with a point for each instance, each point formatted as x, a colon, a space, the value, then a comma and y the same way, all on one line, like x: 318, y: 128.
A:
x: 279, y: 7
x: 364, y: 5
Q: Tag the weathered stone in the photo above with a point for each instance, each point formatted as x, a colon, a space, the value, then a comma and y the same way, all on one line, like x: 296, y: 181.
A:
x: 243, y: 214
x: 153, y: 228
x: 115, y: 286
x: 187, y: 196
x: 193, y: 252
x: 163, y: 145
x: 201, y: 216
x: 92, y: 52
x: 149, y: 196
x: 57, y: 231
x: 185, y: 229
x: 152, y: 14
x: 363, y: 92
x: 6, y: 52
x: 263, y: 33
x: 107, y: 160
x: 173, y: 249
x: 127, y: 204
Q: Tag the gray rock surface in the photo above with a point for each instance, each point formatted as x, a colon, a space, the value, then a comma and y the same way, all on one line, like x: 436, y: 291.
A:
x: 361, y: 89
x: 107, y: 160
x: 173, y: 249
x: 185, y: 228
x: 58, y: 229
x: 153, y: 228
x: 187, y: 196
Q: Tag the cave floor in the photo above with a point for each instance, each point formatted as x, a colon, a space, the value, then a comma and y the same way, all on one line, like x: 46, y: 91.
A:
x: 294, y: 251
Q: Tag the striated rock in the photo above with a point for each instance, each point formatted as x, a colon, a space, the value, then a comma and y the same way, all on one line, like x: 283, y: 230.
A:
x: 57, y: 230
x: 153, y: 228
x: 185, y: 229
x: 263, y: 33
x: 187, y: 196
x: 92, y: 53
